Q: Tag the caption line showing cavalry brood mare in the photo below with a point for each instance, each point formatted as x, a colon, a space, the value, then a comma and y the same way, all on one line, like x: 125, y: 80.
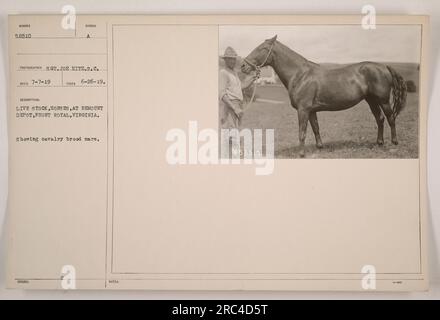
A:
x: 313, y: 88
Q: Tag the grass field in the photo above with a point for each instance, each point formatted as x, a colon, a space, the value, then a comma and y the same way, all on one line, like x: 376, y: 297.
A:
x: 345, y: 134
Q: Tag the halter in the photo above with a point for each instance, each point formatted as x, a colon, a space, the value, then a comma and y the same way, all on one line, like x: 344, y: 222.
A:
x: 258, y: 72
x: 257, y: 68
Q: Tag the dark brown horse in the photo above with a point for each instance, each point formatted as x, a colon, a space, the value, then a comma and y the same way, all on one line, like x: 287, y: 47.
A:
x: 314, y: 88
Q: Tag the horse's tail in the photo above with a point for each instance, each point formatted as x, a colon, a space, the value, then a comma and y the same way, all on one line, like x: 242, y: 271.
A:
x: 399, y: 92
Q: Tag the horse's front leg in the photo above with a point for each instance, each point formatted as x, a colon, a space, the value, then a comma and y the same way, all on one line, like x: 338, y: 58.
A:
x: 303, y: 119
x: 313, y: 118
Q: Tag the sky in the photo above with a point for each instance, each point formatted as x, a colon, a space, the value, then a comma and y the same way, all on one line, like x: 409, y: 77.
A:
x: 324, y: 43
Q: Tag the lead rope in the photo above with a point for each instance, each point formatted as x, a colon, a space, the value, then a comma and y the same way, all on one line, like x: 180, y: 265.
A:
x: 253, y: 91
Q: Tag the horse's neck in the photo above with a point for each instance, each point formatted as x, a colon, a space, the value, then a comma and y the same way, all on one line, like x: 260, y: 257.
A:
x: 287, y: 63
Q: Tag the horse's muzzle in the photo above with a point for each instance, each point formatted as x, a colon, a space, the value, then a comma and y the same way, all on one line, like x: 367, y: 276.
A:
x: 246, y: 68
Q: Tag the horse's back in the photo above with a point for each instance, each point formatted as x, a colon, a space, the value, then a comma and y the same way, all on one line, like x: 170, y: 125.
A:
x: 371, y: 78
x: 338, y: 87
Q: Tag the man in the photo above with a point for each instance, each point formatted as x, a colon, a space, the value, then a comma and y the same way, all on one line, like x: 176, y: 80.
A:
x: 231, y: 92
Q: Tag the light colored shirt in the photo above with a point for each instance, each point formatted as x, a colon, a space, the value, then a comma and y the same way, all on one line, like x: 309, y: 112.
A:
x: 230, y: 85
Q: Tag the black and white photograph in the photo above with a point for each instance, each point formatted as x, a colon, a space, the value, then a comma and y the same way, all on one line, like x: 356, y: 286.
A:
x: 267, y: 151
x: 327, y: 91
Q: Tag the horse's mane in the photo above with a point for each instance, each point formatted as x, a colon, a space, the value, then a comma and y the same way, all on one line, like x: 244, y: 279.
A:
x: 294, y: 53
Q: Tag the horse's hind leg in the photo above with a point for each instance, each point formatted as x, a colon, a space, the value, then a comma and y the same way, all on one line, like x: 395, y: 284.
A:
x: 378, y: 115
x: 388, y: 111
x: 313, y: 119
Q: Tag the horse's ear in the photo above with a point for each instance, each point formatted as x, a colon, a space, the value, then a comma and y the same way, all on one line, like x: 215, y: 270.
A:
x: 272, y: 40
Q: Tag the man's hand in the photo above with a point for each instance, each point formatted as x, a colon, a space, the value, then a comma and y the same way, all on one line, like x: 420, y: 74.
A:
x: 248, y: 81
x: 239, y: 113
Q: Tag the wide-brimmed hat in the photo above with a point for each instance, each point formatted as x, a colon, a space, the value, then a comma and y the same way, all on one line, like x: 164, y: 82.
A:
x: 230, y: 53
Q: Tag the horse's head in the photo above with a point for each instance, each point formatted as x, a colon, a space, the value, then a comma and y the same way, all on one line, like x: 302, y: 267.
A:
x: 259, y: 57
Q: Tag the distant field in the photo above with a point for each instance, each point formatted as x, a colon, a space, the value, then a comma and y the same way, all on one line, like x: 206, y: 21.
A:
x: 346, y: 134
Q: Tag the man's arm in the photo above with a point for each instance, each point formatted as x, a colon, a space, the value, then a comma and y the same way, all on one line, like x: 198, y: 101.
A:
x: 223, y: 82
x: 229, y: 103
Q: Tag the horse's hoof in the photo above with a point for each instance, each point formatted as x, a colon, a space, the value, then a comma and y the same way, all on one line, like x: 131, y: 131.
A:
x: 302, y: 154
x: 319, y: 145
x: 380, y: 142
x: 395, y: 142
